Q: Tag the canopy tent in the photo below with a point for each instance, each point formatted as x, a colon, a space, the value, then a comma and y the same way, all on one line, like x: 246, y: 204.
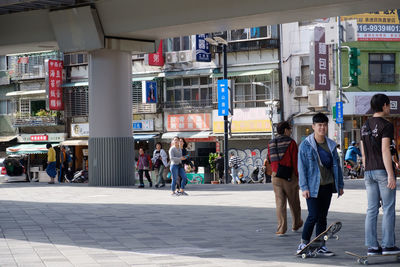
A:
x: 29, y: 149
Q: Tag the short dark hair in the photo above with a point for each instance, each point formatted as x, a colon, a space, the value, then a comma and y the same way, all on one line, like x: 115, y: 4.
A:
x: 232, y: 153
x: 48, y: 145
x: 159, y: 143
x: 320, y: 118
x: 378, y: 101
x: 280, y: 128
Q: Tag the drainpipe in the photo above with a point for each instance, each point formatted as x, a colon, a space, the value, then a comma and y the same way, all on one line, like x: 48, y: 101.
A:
x: 282, y: 107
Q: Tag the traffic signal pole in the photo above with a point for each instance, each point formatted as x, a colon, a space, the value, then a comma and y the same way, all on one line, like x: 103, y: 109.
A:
x: 340, y: 89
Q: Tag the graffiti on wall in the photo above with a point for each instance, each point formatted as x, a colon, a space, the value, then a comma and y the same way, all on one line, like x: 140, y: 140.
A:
x: 250, y: 159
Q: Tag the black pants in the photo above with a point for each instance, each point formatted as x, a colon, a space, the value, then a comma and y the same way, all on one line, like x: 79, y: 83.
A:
x: 146, y: 173
x: 221, y: 174
x: 317, y: 212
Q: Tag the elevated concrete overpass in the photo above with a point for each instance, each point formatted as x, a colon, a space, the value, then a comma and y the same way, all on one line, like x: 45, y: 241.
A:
x: 113, y: 29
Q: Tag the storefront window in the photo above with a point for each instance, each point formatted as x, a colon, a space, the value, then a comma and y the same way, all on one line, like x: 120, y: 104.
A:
x: 240, y: 34
x: 186, y: 95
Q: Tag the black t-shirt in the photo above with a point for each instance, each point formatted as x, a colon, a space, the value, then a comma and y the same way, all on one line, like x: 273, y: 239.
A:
x: 379, y: 128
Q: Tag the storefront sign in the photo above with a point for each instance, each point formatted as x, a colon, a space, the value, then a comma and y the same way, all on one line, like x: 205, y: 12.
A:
x: 189, y: 122
x: 79, y: 129
x: 155, y: 59
x: 149, y: 92
x: 55, y: 82
x: 202, y: 48
x: 362, y: 105
x: 244, y: 121
x: 143, y: 125
x: 47, y: 137
x: 377, y: 26
x: 339, y: 112
x: 320, y: 67
x: 39, y: 138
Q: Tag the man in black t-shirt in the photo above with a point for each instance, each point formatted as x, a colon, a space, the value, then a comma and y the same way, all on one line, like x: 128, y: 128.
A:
x: 380, y: 182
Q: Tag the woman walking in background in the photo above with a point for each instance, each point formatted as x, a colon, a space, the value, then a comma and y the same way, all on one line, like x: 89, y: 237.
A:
x: 160, y: 162
x: 175, y: 155
x: 144, y: 165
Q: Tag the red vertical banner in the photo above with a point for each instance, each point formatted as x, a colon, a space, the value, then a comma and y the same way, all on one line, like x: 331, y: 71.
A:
x: 55, y: 82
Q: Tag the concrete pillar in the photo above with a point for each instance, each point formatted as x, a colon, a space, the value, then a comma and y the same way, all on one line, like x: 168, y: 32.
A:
x: 111, y: 146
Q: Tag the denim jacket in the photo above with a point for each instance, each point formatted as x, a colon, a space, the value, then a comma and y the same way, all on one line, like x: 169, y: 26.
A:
x: 308, y: 165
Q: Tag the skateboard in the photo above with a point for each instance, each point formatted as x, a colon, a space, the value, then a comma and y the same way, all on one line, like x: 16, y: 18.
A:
x: 364, y: 259
x: 311, y: 249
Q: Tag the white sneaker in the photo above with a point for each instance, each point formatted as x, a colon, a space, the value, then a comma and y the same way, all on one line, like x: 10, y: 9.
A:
x: 301, y: 247
x: 323, y: 251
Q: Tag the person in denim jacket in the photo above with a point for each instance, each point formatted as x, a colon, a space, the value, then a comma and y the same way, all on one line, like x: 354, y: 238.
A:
x: 320, y: 175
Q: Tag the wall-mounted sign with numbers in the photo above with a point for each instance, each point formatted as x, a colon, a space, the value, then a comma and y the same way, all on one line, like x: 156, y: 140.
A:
x: 55, y: 81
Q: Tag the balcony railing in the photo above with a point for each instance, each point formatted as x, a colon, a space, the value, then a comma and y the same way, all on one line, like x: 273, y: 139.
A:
x: 140, y: 108
x: 26, y: 120
x: 207, y: 103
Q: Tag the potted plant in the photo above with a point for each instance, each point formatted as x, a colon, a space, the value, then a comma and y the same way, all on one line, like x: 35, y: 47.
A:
x: 211, y: 160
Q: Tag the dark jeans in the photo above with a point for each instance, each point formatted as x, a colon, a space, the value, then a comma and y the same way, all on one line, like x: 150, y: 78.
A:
x: 317, y: 212
x: 146, y: 173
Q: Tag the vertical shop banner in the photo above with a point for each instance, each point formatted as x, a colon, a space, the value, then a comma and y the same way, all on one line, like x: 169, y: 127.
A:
x: 377, y: 26
x: 149, y: 92
x: 321, y: 60
x: 155, y: 59
x: 55, y: 81
x: 202, y: 48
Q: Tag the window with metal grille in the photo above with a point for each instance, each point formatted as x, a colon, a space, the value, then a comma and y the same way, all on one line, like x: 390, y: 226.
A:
x: 76, y: 101
x: 136, y: 92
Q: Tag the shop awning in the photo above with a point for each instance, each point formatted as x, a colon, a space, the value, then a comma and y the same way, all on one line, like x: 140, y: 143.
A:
x: 76, y: 84
x: 139, y: 137
x: 170, y: 135
x: 244, y: 135
x: 242, y: 73
x: 171, y: 74
x: 29, y: 148
x: 8, y: 138
x: 25, y: 93
x: 81, y: 142
x: 139, y: 79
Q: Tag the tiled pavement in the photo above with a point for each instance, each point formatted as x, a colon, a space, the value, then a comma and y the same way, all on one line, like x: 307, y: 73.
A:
x: 217, y: 225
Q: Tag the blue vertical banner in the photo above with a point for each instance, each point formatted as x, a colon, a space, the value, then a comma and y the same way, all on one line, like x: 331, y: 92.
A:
x: 339, y: 112
x: 150, y: 95
x: 202, y: 48
x: 223, y: 98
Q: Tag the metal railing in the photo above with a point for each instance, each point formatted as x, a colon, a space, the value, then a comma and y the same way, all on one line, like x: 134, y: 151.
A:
x: 207, y: 103
x: 19, y: 120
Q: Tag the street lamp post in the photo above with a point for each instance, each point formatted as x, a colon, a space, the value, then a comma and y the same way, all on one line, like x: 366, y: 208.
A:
x: 218, y: 41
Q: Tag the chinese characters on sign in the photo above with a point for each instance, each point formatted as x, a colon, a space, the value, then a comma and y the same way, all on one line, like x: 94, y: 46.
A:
x: 339, y: 112
x: 189, y: 122
x: 143, y: 125
x: 202, y: 48
x: 377, y: 26
x: 156, y: 59
x: 321, y: 57
x: 55, y: 81
x: 223, y: 98
x: 35, y: 138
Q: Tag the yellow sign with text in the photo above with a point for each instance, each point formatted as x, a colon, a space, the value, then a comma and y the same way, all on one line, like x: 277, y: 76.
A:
x: 247, y: 126
x: 380, y: 17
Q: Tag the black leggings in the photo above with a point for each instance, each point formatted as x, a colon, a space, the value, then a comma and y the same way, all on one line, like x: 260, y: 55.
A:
x: 146, y: 173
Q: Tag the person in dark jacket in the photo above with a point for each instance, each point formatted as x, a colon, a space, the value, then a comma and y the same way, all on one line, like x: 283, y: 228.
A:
x: 282, y: 150
x: 219, y: 166
x: 144, y: 164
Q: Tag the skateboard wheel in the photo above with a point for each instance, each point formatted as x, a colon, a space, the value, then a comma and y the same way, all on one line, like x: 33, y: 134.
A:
x: 304, y: 255
x: 326, y: 238
x: 365, y: 262
x: 359, y: 261
x: 336, y: 237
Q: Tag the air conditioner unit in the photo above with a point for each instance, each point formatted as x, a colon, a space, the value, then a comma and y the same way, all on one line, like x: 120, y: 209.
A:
x: 317, y: 99
x: 185, y: 56
x: 301, y: 91
x: 171, y: 57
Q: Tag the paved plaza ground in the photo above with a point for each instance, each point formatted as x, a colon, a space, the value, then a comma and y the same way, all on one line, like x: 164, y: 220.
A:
x: 217, y: 225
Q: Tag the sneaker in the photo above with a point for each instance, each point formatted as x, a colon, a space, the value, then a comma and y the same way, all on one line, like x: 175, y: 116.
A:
x: 373, y: 251
x: 183, y: 193
x: 163, y: 185
x: 150, y: 184
x: 390, y: 251
x: 300, y: 247
x: 174, y: 194
x: 279, y: 234
x: 141, y: 186
x: 323, y: 251
x: 156, y: 186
